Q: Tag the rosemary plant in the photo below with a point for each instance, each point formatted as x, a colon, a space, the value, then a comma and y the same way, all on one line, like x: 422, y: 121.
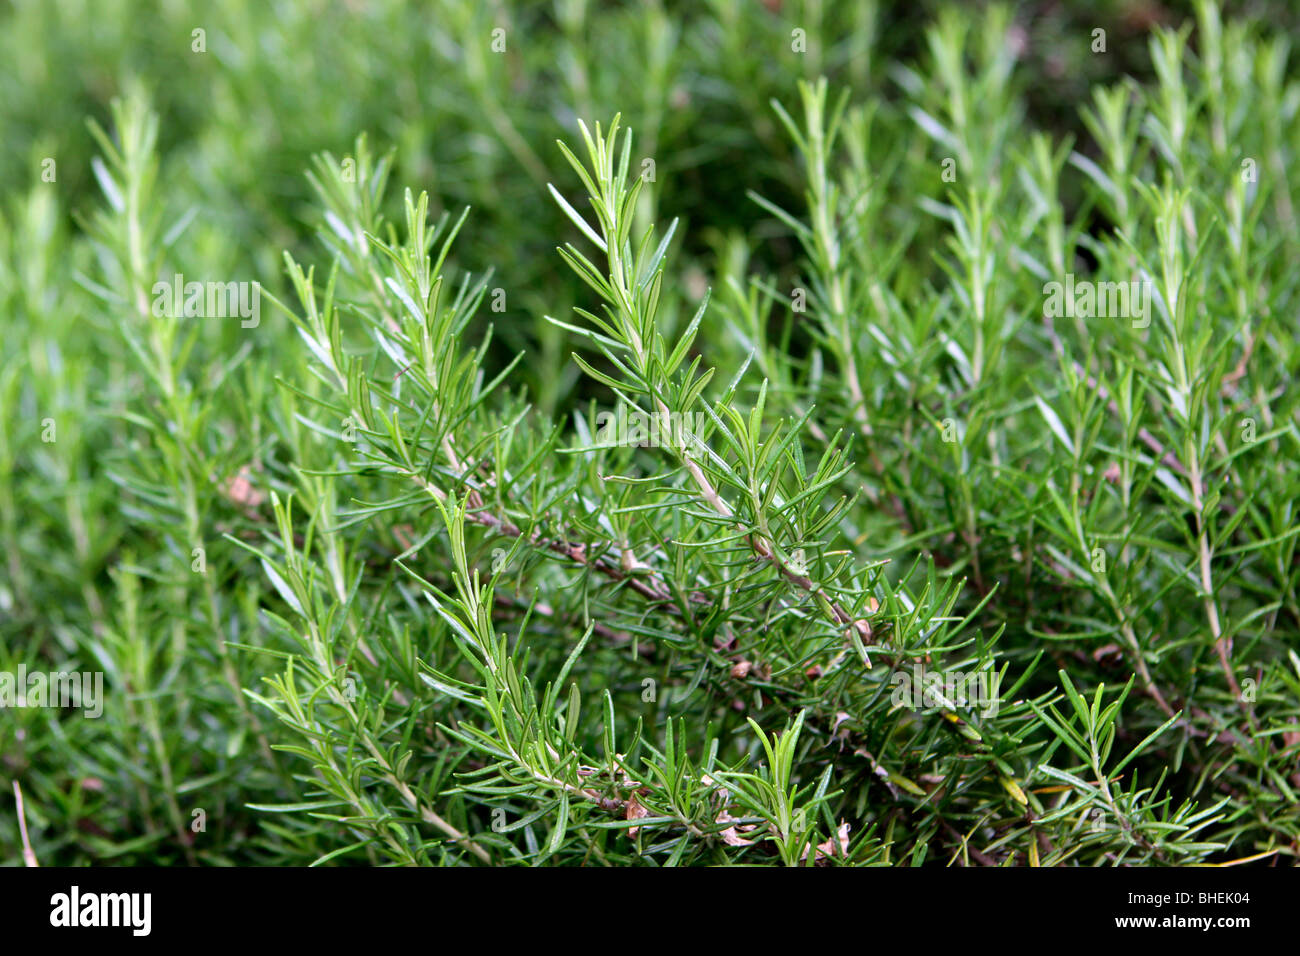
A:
x: 865, y: 460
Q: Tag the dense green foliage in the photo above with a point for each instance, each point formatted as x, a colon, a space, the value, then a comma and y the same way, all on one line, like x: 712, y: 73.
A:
x: 382, y: 570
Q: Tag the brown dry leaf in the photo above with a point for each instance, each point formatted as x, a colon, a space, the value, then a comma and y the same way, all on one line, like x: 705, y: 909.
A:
x: 842, y: 835
x: 837, y: 845
x: 634, y: 811
x: 731, y: 836
x: 740, y: 670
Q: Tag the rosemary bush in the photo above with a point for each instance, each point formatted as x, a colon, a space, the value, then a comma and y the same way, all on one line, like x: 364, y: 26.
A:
x: 855, y: 461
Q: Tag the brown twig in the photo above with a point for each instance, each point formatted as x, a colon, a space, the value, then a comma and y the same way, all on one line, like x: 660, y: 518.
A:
x: 29, y: 855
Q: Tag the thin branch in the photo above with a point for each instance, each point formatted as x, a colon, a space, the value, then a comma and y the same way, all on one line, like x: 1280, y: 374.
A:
x: 29, y: 855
